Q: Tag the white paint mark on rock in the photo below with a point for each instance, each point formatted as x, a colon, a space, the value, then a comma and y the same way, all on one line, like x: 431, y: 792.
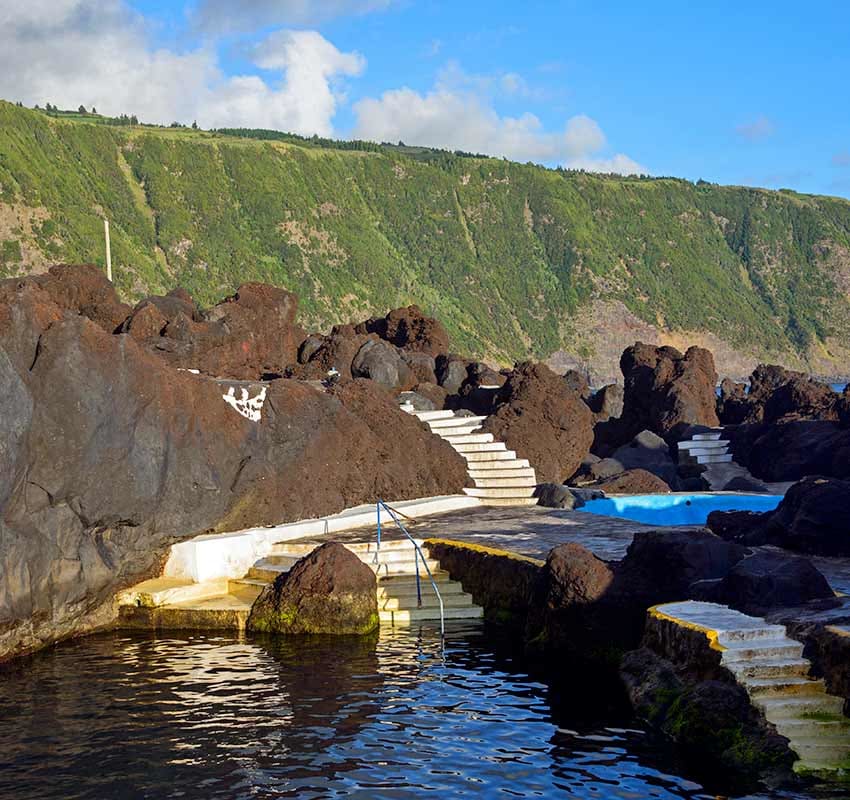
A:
x: 249, y: 407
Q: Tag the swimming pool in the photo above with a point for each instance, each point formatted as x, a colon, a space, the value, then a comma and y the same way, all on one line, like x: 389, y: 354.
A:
x: 678, y: 509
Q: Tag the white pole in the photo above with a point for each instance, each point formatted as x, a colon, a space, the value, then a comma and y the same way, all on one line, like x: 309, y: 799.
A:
x: 108, y: 250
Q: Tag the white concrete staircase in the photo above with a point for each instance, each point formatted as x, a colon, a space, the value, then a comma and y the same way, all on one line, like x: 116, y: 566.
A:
x: 395, y: 571
x: 771, y: 667
x: 705, y: 448
x: 500, y: 478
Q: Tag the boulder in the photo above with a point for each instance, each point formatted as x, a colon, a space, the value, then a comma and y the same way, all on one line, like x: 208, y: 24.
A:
x: 633, y: 481
x: 432, y: 392
x: 649, y: 452
x: 663, y: 390
x: 813, y: 517
x: 574, y: 576
x: 421, y: 366
x: 792, y: 450
x: 146, y: 322
x: 336, y: 353
x: 379, y: 361
x: 410, y: 329
x: 733, y: 407
x: 329, y: 591
x: 577, y: 382
x: 542, y: 420
x: 660, y: 565
x: 451, y: 372
x: 735, y: 526
x: 842, y: 407
x: 767, y: 580
x: 418, y: 401
x: 607, y: 402
x: 555, y: 495
x: 309, y: 346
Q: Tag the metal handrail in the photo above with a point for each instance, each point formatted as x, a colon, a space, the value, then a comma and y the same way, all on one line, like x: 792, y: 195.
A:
x: 417, y: 555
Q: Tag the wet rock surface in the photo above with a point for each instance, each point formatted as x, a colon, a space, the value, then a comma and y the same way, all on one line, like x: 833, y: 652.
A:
x: 329, y: 591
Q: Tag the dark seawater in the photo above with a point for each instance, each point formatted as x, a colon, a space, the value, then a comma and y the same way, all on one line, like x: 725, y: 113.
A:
x: 136, y: 716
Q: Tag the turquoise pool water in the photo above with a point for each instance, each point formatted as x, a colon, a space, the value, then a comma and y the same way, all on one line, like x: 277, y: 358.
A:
x: 679, y: 509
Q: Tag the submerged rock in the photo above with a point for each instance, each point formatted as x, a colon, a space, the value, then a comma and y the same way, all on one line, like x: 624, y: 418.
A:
x: 328, y: 591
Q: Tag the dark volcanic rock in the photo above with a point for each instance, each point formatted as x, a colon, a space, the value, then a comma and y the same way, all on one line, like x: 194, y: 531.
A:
x: 542, y: 420
x: 451, y: 372
x: 735, y: 526
x: 410, y: 329
x: 380, y: 362
x: 574, y: 576
x: 633, y: 481
x: 766, y: 581
x: 109, y: 456
x: 790, y: 451
x: 335, y: 352
x: 421, y: 365
x: 661, y: 565
x: 663, y: 390
x: 554, y: 495
x: 607, y: 402
x: 813, y: 517
x: 328, y: 591
x: 647, y: 451
x: 577, y: 382
x: 436, y: 394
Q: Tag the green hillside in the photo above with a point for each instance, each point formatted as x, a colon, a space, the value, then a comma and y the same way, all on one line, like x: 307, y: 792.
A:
x: 509, y: 256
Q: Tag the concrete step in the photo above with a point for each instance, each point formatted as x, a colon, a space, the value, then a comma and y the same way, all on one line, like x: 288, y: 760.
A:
x: 222, y: 612
x: 720, y: 459
x: 482, y: 447
x: 510, y: 501
x: 484, y: 456
x: 503, y: 483
x: 476, y: 472
x: 458, y: 430
x: 452, y: 421
x: 806, y: 727
x: 758, y: 633
x: 822, y: 752
x: 246, y: 585
x: 429, y: 600
x: 468, y: 438
x: 782, y: 648
x: 407, y: 591
x: 477, y: 468
x: 164, y: 591
x: 500, y: 493
x: 696, y: 452
x: 770, y: 668
x: 707, y: 437
x: 401, y: 583
x: 786, y: 686
x: 429, y: 416
x: 407, y: 616
x: 404, y: 568
x: 704, y: 444
x: 782, y: 707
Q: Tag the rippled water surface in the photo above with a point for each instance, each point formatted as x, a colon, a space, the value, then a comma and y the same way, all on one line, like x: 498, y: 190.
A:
x: 133, y: 716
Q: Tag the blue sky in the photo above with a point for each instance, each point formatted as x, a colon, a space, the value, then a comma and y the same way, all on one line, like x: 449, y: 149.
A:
x: 753, y: 93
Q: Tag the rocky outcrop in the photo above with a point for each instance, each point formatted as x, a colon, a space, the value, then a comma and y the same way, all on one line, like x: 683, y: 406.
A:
x: 780, y: 395
x: 540, y: 418
x: 109, y: 456
x: 607, y: 402
x: 380, y: 361
x: 248, y: 336
x: 663, y: 390
x: 329, y: 591
x: 709, y: 717
x: 577, y: 382
x: 409, y: 329
x: 766, y: 580
x: 632, y: 481
x: 790, y: 451
x: 451, y: 372
x: 813, y: 517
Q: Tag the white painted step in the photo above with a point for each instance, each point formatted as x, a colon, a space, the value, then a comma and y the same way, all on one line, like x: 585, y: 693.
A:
x: 504, y: 483
x: 479, y: 468
x: 784, y: 686
x: 512, y: 501
x: 468, y: 438
x: 407, y: 616
x: 483, y: 456
x: 407, y: 591
x: 428, y: 416
x: 781, y: 648
x: 707, y: 437
x: 452, y: 421
x: 704, y: 444
x: 481, y: 447
x: 769, y: 667
x: 802, y: 705
x: 724, y: 459
x: 499, y: 493
x: 456, y: 430
x: 429, y: 600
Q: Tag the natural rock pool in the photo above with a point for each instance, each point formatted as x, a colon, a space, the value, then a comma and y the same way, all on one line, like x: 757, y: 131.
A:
x: 194, y: 716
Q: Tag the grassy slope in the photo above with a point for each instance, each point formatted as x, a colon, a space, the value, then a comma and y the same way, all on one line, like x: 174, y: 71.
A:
x: 506, y: 254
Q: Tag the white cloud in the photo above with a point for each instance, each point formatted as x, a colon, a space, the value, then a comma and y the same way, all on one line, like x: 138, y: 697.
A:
x: 464, y: 120
x: 243, y: 15
x: 757, y: 129
x: 96, y: 53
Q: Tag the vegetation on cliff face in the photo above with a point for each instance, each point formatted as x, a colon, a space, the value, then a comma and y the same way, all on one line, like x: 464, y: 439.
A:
x: 509, y: 256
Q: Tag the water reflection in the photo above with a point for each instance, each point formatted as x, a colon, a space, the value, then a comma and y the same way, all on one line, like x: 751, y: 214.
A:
x: 136, y: 716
